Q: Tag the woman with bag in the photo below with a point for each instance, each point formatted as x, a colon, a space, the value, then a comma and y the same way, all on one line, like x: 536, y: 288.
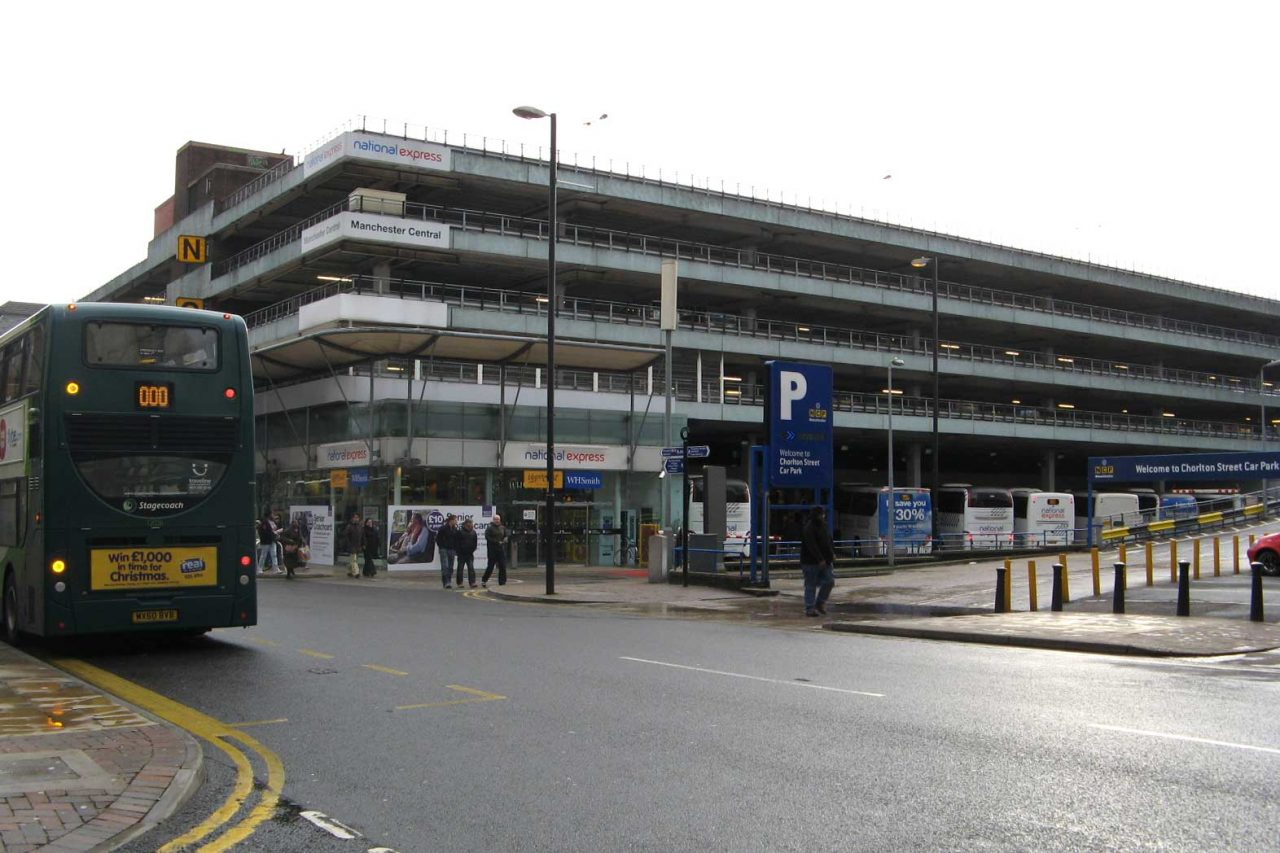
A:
x: 292, y: 540
x: 370, y: 548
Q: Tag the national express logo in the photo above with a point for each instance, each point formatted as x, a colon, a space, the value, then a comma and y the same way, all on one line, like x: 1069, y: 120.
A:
x: 395, y: 150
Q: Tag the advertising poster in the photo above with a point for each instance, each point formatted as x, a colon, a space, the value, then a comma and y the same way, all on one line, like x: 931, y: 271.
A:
x: 412, y: 531
x: 315, y: 526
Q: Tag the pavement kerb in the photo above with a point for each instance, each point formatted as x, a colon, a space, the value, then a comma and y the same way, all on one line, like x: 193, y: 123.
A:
x: 1021, y: 641
x: 180, y: 789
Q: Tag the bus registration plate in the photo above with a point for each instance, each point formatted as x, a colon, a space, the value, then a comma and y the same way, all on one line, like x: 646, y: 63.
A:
x: 153, y: 568
x: 145, y: 617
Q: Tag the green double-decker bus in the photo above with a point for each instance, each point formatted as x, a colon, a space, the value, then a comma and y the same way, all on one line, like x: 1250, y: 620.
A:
x: 126, y: 471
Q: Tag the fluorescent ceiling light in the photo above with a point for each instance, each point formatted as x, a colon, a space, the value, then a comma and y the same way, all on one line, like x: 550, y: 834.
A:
x: 732, y: 392
x: 1065, y: 360
x: 1167, y: 415
x: 1066, y: 405
x: 1013, y: 352
x: 1120, y: 366
x: 802, y: 328
x: 949, y: 346
x: 332, y: 278
x: 731, y: 378
x: 888, y: 391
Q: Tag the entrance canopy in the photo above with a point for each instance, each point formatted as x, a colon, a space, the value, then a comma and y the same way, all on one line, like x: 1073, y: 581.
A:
x: 322, y: 350
x: 1183, y: 466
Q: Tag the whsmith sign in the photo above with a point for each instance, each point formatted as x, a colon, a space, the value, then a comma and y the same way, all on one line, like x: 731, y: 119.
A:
x: 1184, y: 466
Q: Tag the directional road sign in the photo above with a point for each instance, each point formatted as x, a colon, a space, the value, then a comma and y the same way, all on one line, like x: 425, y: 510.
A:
x: 672, y: 452
x: 699, y: 451
x: 674, y: 466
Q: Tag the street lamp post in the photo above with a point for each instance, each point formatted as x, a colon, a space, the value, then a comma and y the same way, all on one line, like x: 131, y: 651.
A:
x: 921, y: 263
x: 549, y: 513
x: 893, y: 362
x: 1262, y: 419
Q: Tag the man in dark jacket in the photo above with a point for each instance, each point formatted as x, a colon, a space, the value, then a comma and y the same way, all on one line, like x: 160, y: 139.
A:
x: 447, y: 542
x: 817, y: 561
x: 495, y: 540
x: 354, y: 539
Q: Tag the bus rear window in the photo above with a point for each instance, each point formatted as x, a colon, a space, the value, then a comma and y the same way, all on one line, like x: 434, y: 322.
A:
x: 989, y: 498
x: 150, y: 346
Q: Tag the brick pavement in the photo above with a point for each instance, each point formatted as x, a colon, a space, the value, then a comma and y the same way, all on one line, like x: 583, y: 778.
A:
x: 78, y: 770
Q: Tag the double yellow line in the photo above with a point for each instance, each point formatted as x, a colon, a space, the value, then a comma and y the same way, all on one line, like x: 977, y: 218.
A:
x: 215, y: 732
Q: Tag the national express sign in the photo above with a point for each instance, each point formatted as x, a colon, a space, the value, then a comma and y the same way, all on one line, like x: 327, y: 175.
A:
x: 1184, y: 466
x: 380, y: 149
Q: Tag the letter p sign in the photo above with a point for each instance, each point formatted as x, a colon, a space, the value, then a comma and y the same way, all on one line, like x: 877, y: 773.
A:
x: 792, y: 387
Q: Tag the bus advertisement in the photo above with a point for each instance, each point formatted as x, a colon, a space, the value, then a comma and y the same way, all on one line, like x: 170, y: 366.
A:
x: 126, y: 488
x: 862, y: 515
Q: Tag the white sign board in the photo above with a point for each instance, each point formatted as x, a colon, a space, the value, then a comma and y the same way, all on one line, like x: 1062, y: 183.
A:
x: 13, y: 434
x: 315, y: 526
x: 376, y: 228
x: 403, y: 153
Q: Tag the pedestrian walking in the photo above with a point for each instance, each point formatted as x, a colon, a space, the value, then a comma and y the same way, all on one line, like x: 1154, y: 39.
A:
x: 370, y: 548
x: 267, y: 535
x: 446, y: 539
x: 354, y: 537
x: 495, y: 540
x: 817, y: 562
x: 465, y: 542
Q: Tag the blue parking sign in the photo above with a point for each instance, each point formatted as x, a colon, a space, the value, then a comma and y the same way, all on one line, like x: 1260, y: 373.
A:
x: 801, y: 417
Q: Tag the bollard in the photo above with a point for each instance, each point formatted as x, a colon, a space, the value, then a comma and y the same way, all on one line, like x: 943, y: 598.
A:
x: 1195, y: 559
x: 1235, y: 554
x: 1251, y: 537
x: 1124, y: 553
x: 1002, y: 602
x: 1066, y: 585
x: 1117, y: 589
x: 1184, y: 588
x: 1055, y: 603
x: 1151, y: 567
x: 1097, y: 578
x: 1173, y: 560
x: 1031, y: 585
x: 1255, y: 599
x: 1217, y: 558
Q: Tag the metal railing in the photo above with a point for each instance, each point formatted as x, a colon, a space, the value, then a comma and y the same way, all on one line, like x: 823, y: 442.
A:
x: 598, y: 310
x: 579, y: 235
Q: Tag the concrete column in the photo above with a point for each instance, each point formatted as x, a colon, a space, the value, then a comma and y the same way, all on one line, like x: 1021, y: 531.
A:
x: 915, y: 453
x: 1048, y: 470
x: 381, y: 277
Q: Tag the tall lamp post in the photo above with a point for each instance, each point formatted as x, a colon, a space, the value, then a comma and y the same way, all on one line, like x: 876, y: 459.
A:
x: 920, y: 263
x: 1262, y: 419
x: 549, y: 513
x: 893, y: 362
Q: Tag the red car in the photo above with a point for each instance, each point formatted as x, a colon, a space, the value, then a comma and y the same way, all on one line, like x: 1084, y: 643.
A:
x: 1267, y: 551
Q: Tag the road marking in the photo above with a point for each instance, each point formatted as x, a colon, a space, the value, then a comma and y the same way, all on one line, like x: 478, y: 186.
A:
x: 258, y: 723
x: 263, y: 641
x: 477, y: 696
x: 756, y: 678
x: 1187, y: 738
x: 386, y: 669
x: 215, y: 732
x: 335, y: 828
x: 314, y: 654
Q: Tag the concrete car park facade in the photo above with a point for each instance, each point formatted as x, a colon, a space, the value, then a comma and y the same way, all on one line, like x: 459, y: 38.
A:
x: 395, y: 288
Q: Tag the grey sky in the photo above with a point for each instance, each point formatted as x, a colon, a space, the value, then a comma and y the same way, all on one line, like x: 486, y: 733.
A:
x: 1136, y: 134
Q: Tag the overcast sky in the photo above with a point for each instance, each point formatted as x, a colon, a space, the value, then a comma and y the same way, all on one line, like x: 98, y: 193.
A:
x: 1136, y: 134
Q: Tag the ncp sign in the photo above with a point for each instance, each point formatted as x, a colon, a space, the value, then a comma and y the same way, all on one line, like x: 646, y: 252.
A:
x: 800, y: 424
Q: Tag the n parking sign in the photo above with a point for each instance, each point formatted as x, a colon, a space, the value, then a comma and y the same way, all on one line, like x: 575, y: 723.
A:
x: 800, y: 424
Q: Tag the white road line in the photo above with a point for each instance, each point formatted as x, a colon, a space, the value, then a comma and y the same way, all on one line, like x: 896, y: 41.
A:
x: 331, y: 826
x: 1187, y: 738
x: 756, y: 678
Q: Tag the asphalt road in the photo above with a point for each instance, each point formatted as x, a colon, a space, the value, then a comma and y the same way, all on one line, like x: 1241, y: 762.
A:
x: 431, y: 720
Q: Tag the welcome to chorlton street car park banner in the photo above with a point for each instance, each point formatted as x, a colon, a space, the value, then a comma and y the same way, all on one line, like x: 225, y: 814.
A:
x: 1184, y: 466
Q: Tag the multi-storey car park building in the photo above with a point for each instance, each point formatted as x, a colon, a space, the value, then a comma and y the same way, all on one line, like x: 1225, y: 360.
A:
x: 395, y: 290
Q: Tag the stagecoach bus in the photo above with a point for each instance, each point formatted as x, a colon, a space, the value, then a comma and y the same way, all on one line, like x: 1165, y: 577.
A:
x: 126, y: 471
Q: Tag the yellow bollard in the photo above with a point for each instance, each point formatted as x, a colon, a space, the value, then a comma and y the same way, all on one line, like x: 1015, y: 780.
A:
x: 1151, y: 569
x: 1031, y: 584
x: 1008, y: 584
x: 1235, y: 553
x: 1250, y: 540
x: 1173, y: 561
x: 1195, y: 559
x: 1097, y: 580
x: 1124, y: 553
x: 1217, y: 558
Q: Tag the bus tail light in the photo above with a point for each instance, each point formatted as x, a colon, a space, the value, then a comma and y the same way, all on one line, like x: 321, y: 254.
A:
x: 58, y: 566
x: 246, y: 560
x: 73, y: 387
x: 230, y: 393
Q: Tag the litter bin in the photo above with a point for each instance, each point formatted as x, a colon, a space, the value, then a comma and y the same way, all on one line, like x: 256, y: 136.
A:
x: 659, y: 558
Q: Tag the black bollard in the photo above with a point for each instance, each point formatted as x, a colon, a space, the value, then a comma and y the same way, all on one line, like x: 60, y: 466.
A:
x: 1255, y: 600
x: 1055, y: 603
x: 1184, y: 587
x: 1002, y: 603
x: 1117, y: 590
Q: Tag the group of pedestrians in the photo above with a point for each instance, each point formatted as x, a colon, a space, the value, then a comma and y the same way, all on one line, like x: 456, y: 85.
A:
x: 362, y: 541
x: 279, y: 546
x: 457, y: 545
